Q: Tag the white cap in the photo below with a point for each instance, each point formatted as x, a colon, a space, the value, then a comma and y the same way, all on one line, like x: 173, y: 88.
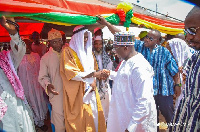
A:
x: 98, y: 37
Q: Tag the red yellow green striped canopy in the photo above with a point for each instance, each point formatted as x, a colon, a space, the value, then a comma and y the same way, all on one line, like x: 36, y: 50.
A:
x: 79, y: 12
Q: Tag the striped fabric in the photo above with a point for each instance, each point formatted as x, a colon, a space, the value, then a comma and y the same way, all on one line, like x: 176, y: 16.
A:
x: 187, y: 116
x: 164, y: 66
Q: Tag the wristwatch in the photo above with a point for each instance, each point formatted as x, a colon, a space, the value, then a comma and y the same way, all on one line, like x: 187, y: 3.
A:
x: 178, y: 85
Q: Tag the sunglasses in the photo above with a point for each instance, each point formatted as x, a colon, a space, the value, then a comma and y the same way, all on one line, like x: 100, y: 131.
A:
x: 150, y: 38
x: 191, y: 31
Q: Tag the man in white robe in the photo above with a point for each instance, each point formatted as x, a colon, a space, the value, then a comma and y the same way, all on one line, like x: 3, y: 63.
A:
x: 132, y: 106
x: 81, y: 46
x: 18, y: 116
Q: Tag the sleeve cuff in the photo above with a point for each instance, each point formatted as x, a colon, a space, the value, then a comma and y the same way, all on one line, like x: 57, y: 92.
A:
x: 113, y: 74
x: 79, y: 76
x: 132, y: 127
x: 46, y: 91
x: 46, y: 88
x: 15, y: 38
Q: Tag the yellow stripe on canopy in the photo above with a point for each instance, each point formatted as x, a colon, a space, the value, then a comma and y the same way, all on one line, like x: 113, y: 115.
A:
x: 163, y: 29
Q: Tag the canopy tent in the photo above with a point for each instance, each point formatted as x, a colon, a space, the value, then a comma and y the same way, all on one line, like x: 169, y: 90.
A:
x: 56, y: 13
x: 59, y: 12
x: 25, y: 29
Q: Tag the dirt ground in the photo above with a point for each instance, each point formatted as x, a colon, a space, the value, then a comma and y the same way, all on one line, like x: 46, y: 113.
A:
x: 161, y: 119
x: 163, y: 126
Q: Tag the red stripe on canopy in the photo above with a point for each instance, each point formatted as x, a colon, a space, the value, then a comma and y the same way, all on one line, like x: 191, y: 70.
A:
x: 85, y: 7
x: 25, y: 29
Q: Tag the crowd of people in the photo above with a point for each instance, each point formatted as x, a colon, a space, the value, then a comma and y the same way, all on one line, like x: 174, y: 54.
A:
x: 86, y: 91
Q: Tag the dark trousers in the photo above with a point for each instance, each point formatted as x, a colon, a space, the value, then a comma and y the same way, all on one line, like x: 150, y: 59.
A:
x: 165, y: 105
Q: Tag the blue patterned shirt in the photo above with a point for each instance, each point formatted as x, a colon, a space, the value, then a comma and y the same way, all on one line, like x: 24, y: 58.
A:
x: 164, y: 66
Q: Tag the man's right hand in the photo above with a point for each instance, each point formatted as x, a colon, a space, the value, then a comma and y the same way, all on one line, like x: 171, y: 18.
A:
x: 9, y: 27
x: 50, y: 89
x: 102, y: 20
x: 103, y: 74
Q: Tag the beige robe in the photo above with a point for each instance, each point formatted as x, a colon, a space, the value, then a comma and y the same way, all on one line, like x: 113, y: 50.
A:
x: 50, y: 74
x: 78, y: 116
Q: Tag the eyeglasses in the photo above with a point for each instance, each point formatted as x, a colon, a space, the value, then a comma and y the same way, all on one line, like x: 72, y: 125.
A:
x: 55, y: 42
x: 115, y: 48
x: 191, y: 31
x: 150, y: 38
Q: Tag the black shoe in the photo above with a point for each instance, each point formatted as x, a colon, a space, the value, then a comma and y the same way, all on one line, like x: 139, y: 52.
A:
x: 44, y: 128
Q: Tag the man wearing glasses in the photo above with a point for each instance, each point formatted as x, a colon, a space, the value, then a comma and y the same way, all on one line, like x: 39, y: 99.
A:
x: 187, y: 115
x: 50, y: 78
x: 166, y: 80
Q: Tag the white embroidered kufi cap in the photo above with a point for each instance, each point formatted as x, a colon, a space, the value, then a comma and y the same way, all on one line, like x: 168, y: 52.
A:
x: 124, y: 38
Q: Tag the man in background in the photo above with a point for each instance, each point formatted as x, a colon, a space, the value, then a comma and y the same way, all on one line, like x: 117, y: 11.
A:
x: 37, y: 46
x: 142, y: 35
x: 28, y: 72
x: 104, y: 62
x: 166, y: 79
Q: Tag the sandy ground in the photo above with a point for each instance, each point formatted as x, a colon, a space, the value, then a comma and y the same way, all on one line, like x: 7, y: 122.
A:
x: 47, y: 122
x: 163, y: 127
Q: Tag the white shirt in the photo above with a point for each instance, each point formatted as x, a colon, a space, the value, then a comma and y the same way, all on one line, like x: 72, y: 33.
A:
x: 99, y: 59
x: 132, y: 105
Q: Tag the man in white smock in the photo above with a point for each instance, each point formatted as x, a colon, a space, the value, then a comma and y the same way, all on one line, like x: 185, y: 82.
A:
x: 132, y: 107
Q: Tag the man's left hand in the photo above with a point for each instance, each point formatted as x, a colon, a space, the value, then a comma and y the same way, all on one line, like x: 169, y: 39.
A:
x: 93, y: 85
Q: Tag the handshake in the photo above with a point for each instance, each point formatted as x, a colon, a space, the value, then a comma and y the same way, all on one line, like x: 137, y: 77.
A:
x: 102, y: 74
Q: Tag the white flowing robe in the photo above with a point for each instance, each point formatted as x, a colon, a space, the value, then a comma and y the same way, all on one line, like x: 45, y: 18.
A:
x: 86, y: 57
x: 132, y: 105
x: 18, y: 117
